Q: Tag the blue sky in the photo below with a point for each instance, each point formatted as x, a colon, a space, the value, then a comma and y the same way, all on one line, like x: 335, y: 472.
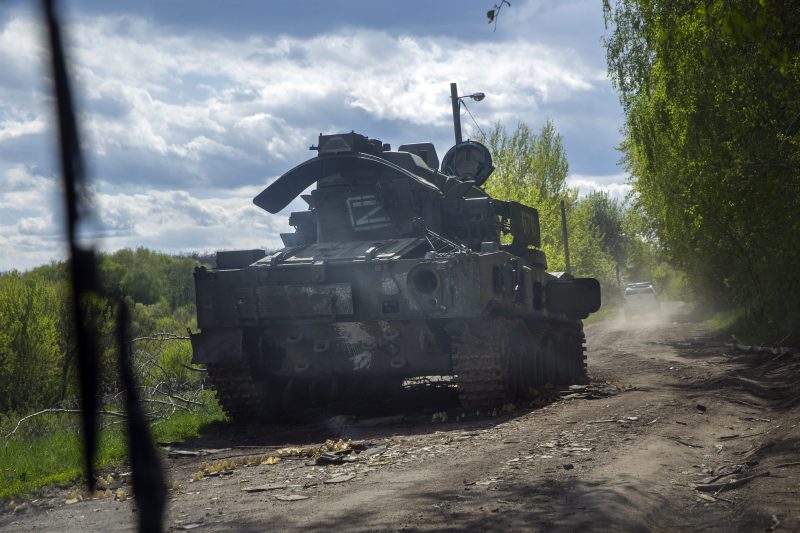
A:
x: 189, y: 108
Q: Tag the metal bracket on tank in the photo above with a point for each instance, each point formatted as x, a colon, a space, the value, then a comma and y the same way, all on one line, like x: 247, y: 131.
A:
x: 440, y: 245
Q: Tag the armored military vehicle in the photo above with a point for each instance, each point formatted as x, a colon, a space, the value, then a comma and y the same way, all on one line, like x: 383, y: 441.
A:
x: 398, y: 268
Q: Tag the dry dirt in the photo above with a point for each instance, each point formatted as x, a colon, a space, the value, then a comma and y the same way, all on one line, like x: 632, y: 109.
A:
x: 671, y: 409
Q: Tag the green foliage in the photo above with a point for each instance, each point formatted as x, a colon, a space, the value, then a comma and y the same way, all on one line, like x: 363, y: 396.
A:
x: 711, y: 141
x: 607, y: 310
x: 37, y: 356
x: 29, y: 342
x: 494, y: 13
x: 50, y: 452
x: 645, y: 259
x: 37, y: 339
x: 610, y: 240
x: 182, y: 426
x: 148, y: 277
x: 531, y: 168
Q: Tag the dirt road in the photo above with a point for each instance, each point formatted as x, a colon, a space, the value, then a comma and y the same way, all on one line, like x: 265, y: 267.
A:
x: 667, y: 437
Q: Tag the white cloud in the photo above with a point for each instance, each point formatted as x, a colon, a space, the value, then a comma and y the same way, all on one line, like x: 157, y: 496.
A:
x: 42, y: 225
x: 183, y: 97
x: 27, y: 195
x: 616, y: 185
x: 153, y: 218
x: 10, y: 129
x: 31, y: 227
x: 182, y: 130
x: 19, y: 44
x: 159, y: 92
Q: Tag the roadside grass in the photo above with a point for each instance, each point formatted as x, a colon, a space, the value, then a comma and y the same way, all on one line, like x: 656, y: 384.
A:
x: 757, y: 332
x: 50, y: 453
x: 605, y: 311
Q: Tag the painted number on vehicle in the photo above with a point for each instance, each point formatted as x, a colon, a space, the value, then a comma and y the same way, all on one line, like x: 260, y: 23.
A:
x: 528, y: 224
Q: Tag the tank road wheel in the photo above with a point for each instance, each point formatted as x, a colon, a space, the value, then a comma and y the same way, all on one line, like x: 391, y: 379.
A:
x: 549, y: 360
x: 559, y: 357
x: 538, y: 368
x: 319, y: 392
x: 566, y: 370
x: 533, y: 364
x: 515, y: 374
x: 527, y: 369
x: 489, y: 362
x: 292, y: 397
x: 242, y: 396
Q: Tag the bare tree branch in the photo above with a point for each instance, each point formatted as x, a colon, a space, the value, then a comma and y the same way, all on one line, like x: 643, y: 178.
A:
x: 160, y: 337
x: 61, y: 410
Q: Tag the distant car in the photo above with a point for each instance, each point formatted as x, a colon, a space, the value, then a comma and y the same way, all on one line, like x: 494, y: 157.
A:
x: 640, y: 299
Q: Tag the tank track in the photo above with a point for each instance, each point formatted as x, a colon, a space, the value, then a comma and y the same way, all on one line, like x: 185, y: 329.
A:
x: 570, y: 364
x: 480, y: 365
x: 500, y: 360
x: 496, y: 361
x: 241, y: 396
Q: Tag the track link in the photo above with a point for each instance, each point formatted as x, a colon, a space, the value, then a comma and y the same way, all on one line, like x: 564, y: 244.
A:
x: 498, y: 361
x: 480, y: 362
x: 240, y: 395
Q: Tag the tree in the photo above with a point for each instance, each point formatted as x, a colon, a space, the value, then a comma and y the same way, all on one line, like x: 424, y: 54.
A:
x: 37, y: 336
x: 709, y: 90
x: 29, y: 342
x: 531, y: 168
